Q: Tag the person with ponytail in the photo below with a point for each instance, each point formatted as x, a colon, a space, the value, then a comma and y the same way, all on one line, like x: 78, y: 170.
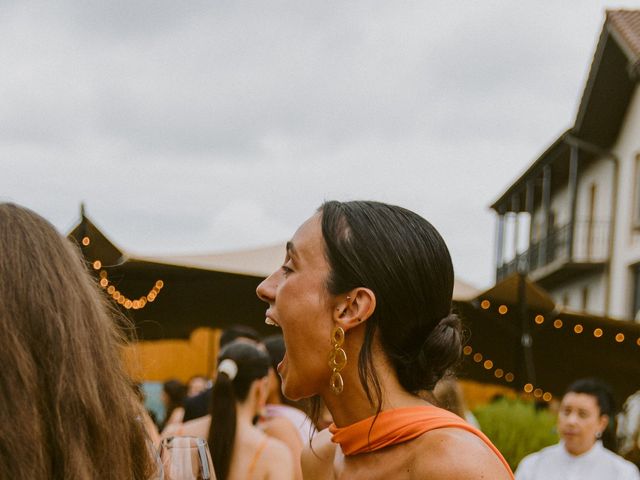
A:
x: 363, y: 299
x: 238, y: 448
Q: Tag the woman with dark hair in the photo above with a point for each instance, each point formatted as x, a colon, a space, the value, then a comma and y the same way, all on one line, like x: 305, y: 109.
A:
x: 198, y: 406
x: 68, y: 409
x: 364, y: 303
x: 239, y: 449
x: 586, y: 411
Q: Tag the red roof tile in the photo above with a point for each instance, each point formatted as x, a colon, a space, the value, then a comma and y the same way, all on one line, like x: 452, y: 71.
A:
x: 627, y: 25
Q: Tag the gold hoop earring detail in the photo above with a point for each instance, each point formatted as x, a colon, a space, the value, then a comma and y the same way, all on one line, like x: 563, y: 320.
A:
x: 337, y: 360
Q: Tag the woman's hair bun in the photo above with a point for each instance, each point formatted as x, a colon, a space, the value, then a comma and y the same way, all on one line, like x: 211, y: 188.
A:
x: 438, y: 355
x: 451, y: 321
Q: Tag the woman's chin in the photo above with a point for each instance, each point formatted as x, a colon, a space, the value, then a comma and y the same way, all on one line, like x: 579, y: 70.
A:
x: 576, y: 447
x: 292, y: 393
x: 295, y: 390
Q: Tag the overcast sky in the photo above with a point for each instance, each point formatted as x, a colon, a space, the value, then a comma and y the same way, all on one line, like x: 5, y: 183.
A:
x: 201, y: 126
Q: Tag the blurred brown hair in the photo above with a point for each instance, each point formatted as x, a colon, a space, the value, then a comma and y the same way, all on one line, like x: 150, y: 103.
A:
x: 68, y: 409
x: 449, y: 396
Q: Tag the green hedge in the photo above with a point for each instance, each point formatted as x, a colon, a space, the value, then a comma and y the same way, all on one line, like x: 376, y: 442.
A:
x: 516, y: 428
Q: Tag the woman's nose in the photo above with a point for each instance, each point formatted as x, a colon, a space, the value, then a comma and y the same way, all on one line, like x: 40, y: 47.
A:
x: 266, y: 289
x: 572, y: 418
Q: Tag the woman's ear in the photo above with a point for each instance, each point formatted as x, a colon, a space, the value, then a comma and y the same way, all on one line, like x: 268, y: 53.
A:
x: 603, y: 423
x: 262, y: 391
x: 355, y: 308
x: 273, y: 389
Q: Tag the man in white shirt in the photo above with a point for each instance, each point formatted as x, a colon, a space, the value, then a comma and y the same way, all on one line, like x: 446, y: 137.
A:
x: 556, y: 462
x: 583, y: 417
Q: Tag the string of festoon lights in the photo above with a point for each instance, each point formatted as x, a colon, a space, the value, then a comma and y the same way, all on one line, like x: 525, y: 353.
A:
x: 539, y: 320
x: 508, y: 377
x: 559, y: 324
x: 115, y: 294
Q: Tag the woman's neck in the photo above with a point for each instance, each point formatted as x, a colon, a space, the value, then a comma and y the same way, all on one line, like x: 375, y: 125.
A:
x: 274, y: 398
x: 245, y: 413
x: 577, y: 452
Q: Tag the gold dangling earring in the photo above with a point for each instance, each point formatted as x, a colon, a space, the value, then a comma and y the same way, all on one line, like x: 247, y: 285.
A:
x: 337, y: 360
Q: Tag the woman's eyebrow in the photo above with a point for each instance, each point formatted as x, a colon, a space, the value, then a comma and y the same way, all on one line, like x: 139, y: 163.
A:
x: 291, y: 250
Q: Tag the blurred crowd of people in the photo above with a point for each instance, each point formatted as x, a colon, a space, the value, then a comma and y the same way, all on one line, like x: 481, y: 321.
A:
x: 253, y: 430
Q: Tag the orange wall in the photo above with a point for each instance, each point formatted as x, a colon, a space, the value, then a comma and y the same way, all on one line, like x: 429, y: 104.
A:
x: 161, y: 360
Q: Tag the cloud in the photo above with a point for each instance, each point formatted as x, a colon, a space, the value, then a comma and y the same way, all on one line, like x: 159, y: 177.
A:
x: 248, y: 222
x: 210, y: 125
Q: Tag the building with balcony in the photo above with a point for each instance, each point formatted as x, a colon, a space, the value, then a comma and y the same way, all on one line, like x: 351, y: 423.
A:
x: 571, y: 221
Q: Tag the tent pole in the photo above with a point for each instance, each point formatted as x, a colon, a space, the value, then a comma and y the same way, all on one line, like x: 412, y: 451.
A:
x: 526, y: 340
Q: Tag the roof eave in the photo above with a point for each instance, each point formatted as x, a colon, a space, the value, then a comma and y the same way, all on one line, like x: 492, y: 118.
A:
x: 548, y: 156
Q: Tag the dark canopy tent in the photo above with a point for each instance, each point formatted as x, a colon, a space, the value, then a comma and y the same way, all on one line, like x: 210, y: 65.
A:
x: 563, y: 345
x: 191, y: 296
x: 198, y: 290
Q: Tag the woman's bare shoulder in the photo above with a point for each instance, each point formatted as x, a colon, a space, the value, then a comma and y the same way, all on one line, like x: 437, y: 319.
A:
x: 455, y: 453
x: 277, y: 448
x: 282, y: 429
x: 277, y: 454
x: 318, y: 459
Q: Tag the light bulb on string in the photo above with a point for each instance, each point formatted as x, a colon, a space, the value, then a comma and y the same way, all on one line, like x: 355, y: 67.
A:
x: 119, y: 297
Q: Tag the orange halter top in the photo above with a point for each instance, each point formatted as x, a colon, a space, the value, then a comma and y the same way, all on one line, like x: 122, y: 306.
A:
x: 401, y: 425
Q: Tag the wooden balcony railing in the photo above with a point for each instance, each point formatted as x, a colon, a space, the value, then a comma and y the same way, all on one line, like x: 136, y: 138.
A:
x: 590, y: 245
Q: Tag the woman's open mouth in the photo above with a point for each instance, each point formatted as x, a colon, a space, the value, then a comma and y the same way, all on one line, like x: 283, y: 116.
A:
x: 270, y: 321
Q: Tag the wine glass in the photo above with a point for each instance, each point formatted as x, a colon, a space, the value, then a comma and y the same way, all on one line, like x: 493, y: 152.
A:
x: 186, y: 458
x: 158, y: 470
